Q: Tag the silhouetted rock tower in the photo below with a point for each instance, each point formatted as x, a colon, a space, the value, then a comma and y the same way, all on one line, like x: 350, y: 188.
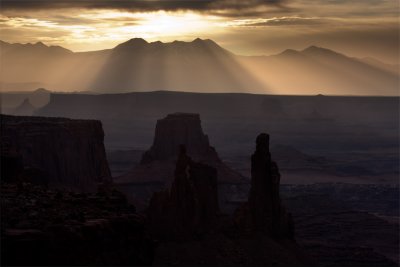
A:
x: 190, y: 206
x: 264, y: 210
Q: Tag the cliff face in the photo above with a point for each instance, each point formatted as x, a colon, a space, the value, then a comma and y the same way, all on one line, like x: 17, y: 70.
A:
x: 190, y: 206
x: 62, y: 152
x: 264, y: 210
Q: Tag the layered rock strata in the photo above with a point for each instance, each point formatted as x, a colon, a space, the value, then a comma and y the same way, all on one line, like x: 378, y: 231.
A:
x: 64, y: 153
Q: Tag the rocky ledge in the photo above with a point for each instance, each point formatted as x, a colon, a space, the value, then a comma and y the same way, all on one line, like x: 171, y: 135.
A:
x: 51, y: 227
x: 62, y: 153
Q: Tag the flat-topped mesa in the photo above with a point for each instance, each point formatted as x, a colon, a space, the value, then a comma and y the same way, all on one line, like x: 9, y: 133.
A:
x: 264, y: 210
x: 61, y: 152
x: 177, y: 129
x: 191, y: 205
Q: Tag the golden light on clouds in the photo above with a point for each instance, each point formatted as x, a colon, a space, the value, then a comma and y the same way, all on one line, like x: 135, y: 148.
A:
x: 158, y: 25
x: 103, y: 28
x: 362, y: 27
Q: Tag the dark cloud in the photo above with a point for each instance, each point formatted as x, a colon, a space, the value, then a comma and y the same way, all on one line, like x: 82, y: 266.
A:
x: 141, y: 5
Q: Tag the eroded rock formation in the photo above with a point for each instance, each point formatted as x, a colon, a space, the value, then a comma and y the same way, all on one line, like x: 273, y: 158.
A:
x: 177, y: 129
x: 63, y: 153
x: 264, y: 210
x: 171, y: 132
x: 191, y: 230
x: 190, y: 207
x: 156, y: 170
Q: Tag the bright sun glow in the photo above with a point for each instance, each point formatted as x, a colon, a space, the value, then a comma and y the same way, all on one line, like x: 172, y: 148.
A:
x: 158, y: 24
x: 108, y: 27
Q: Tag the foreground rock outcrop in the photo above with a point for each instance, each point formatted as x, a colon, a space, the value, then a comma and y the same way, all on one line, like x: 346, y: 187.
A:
x: 43, y: 227
x: 264, y: 210
x: 190, y: 207
x: 58, y: 152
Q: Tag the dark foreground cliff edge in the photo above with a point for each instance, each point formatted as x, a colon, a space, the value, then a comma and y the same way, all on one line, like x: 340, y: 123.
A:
x: 46, y: 219
x: 42, y: 227
x: 58, y: 152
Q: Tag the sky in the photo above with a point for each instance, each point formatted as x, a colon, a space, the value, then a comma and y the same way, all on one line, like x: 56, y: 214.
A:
x: 360, y: 28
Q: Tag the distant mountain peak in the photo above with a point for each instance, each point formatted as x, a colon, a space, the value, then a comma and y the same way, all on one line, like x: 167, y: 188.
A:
x: 289, y: 52
x: 204, y: 41
x: 198, y: 43
x: 313, y: 49
x: 33, y: 47
x: 198, y: 40
x: 134, y: 42
x: 137, y: 41
x: 40, y: 44
x: 41, y: 91
x: 209, y: 44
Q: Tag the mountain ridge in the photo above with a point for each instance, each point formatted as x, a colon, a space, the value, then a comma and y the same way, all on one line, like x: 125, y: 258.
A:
x: 200, y: 65
x: 308, y: 49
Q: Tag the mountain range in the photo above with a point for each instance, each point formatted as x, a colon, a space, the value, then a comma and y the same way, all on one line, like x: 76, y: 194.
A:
x: 197, y: 66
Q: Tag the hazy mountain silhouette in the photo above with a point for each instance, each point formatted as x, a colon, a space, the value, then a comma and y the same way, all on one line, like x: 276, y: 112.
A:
x: 39, y: 47
x: 200, y: 65
x: 317, y: 69
x: 394, y: 68
x: 197, y: 66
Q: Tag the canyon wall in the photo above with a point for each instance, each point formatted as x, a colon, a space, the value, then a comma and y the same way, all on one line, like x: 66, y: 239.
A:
x: 61, y: 152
